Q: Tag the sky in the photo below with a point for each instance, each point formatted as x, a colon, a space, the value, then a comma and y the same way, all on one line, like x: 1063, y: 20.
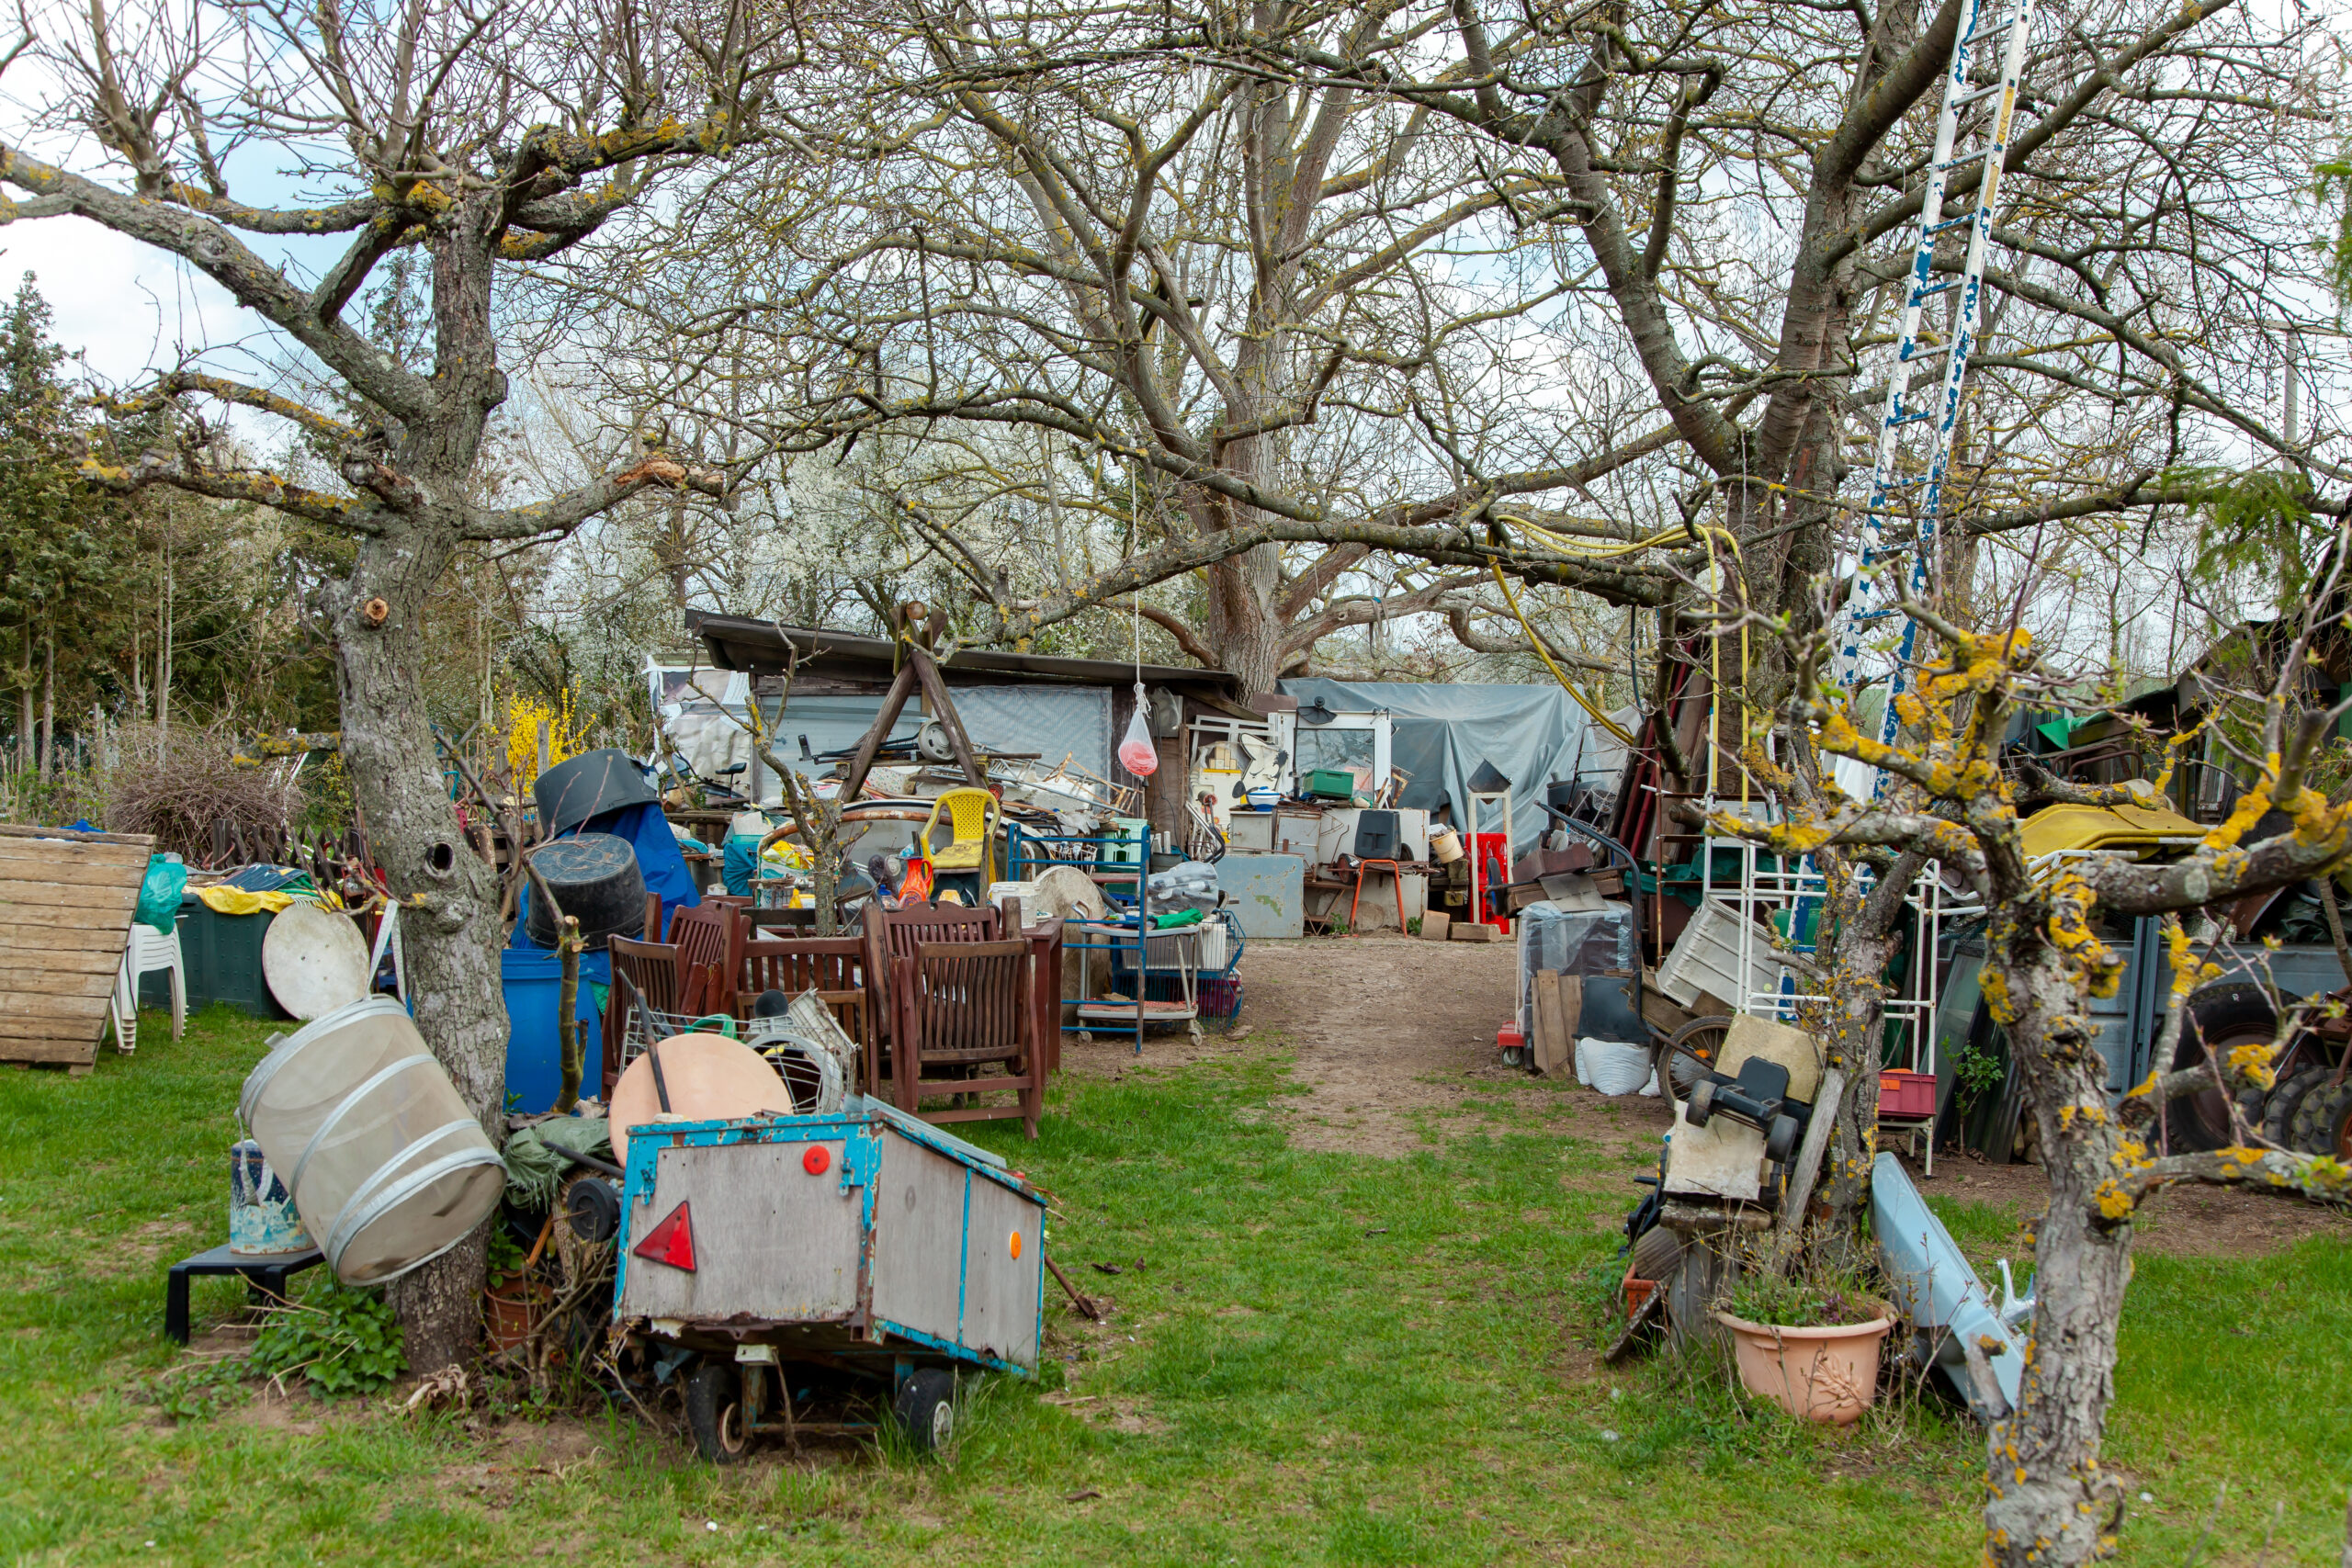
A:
x: 127, y: 305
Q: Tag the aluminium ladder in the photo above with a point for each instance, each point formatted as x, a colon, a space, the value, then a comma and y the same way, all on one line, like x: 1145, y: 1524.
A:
x: 1914, y: 440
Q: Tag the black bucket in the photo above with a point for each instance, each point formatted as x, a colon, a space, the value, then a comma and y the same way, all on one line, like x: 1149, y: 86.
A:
x: 595, y: 878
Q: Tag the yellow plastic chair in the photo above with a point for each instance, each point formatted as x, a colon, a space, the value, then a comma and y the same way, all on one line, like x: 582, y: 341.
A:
x: 973, y: 816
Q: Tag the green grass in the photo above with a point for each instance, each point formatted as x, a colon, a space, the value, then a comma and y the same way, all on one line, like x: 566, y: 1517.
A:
x: 1324, y: 1358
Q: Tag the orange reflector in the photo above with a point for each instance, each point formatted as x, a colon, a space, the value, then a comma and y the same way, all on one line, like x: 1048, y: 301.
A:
x: 815, y: 1160
x: 670, y: 1242
x: 1015, y: 1244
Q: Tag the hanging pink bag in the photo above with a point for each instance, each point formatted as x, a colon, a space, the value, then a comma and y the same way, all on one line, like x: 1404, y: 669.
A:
x: 1136, y: 752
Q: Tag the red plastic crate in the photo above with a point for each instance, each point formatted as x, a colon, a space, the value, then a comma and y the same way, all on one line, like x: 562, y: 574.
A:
x: 1903, y: 1093
x: 1507, y: 1038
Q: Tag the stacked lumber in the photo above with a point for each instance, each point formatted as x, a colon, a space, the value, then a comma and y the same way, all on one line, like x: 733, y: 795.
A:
x: 66, y: 900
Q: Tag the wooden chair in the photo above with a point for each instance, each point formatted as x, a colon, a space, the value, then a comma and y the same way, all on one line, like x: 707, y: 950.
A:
x: 892, y: 937
x: 964, y: 1005
x: 709, y: 939
x: 647, y: 994
x: 834, y: 966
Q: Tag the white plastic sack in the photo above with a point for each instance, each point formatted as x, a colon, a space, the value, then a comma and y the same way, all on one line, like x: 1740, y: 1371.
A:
x: 1616, y: 1067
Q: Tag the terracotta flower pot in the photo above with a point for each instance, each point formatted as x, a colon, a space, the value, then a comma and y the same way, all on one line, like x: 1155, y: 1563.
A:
x: 509, y: 1316
x: 1823, y: 1374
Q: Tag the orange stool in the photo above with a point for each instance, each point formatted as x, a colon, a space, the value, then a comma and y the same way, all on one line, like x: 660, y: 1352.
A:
x: 1396, y: 875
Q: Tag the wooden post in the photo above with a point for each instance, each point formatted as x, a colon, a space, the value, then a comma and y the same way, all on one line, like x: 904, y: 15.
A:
x: 567, y: 1017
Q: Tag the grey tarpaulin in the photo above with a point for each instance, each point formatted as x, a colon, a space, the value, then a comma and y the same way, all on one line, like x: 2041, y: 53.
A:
x: 1589, y: 943
x: 1532, y: 734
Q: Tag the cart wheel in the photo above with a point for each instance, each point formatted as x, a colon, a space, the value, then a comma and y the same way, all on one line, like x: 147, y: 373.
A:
x: 1689, y: 1054
x: 1514, y: 1055
x: 715, y: 1413
x: 926, y: 1409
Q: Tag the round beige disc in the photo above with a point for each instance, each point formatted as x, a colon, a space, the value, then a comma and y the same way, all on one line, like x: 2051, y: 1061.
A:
x: 710, y: 1078
x: 314, y: 960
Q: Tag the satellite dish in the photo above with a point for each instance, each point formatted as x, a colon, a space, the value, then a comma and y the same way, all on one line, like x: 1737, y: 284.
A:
x: 1318, y: 712
x: 314, y: 960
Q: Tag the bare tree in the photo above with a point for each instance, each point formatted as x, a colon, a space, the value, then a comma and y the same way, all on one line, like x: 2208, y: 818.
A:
x: 1210, y: 314
x: 477, y: 138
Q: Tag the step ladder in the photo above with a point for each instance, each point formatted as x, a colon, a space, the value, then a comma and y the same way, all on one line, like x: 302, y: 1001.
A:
x: 1915, y: 436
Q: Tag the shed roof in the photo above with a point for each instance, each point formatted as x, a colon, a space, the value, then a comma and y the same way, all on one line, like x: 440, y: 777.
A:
x: 765, y: 648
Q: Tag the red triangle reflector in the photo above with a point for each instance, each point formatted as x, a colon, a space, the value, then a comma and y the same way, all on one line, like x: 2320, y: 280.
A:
x: 670, y: 1242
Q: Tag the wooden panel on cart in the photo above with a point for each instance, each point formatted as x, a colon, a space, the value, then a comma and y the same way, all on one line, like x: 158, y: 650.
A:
x: 69, y: 898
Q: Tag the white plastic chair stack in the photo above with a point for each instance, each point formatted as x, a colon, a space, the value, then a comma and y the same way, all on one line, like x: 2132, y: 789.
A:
x: 149, y: 950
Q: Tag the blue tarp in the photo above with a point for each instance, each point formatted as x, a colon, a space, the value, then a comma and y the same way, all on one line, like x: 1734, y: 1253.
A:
x: 659, y: 858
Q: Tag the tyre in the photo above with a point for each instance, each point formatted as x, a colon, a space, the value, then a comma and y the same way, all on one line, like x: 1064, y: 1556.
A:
x: 1780, y: 1143
x: 2279, y: 1110
x: 1691, y: 1053
x: 1657, y: 1252
x: 715, y: 1413
x: 2221, y: 1019
x: 1514, y: 1055
x: 926, y: 1409
x: 1700, y: 1106
x: 2323, y: 1121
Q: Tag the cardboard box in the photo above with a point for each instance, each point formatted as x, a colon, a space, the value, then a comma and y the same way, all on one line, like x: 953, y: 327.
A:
x: 1433, y: 925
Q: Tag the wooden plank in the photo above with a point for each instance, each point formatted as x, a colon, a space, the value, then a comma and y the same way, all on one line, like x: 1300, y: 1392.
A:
x: 29, y: 1032
x: 1549, y: 1053
x: 42, y: 852
x: 1816, y: 1140
x: 96, y: 898
x: 59, y: 1003
x: 18, y: 961
x: 26, y: 830
x: 40, y: 936
x: 77, y: 1056
x: 1571, y: 1012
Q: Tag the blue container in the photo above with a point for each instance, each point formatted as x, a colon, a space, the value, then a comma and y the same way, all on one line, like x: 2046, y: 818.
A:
x: 532, y: 979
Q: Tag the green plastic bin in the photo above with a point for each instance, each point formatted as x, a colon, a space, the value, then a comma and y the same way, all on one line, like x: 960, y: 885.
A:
x: 222, y: 955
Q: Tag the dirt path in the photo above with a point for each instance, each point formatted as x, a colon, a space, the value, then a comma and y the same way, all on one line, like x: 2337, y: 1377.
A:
x: 1393, y: 1039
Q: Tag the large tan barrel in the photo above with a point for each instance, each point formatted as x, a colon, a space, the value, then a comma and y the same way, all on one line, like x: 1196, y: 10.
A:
x: 387, y: 1168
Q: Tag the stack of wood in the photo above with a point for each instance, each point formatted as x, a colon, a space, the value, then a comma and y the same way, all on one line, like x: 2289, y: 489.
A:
x: 66, y: 901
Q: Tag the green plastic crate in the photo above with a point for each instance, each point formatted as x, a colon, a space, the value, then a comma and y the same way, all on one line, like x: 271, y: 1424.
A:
x: 1331, y: 783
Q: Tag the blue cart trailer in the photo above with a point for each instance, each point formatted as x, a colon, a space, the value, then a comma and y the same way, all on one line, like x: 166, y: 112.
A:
x: 764, y: 1257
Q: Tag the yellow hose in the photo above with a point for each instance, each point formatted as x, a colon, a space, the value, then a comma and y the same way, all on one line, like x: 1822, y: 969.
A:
x: 1559, y: 674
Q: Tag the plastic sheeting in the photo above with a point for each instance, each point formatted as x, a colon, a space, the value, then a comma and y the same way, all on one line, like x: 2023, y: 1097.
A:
x: 1532, y: 734
x: 1052, y: 721
x: 1589, y: 943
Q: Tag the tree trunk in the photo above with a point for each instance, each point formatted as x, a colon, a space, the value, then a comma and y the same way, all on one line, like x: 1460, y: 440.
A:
x: 1855, y: 1024
x: 25, y: 744
x: 48, y: 705
x: 1245, y: 631
x: 451, y: 939
x: 2048, y: 1500
x: 163, y: 650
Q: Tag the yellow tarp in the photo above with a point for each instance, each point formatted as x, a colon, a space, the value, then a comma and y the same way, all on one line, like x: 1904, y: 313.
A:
x: 2056, y: 827
x: 223, y: 899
